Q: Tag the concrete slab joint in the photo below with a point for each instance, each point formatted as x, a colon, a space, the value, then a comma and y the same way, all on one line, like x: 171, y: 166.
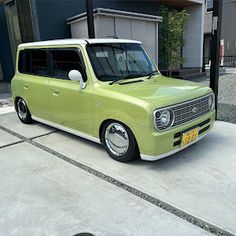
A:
x: 155, y: 185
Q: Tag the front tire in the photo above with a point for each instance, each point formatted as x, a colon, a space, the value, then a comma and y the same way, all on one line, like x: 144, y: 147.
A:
x: 119, y: 141
x: 23, y: 111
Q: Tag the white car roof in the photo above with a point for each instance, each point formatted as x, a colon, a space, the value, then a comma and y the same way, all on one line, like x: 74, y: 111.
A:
x: 76, y: 41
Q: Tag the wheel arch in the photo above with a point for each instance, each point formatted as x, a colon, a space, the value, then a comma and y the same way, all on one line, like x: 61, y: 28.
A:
x: 101, y: 127
x: 104, y: 122
x: 16, y: 100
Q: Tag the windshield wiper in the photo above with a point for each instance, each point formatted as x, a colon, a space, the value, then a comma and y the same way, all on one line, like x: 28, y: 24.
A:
x: 151, y: 74
x: 134, y: 76
x: 124, y: 77
x: 116, y: 80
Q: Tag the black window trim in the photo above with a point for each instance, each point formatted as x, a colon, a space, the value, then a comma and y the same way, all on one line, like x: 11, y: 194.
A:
x: 77, y: 50
x: 49, y: 61
x: 24, y: 64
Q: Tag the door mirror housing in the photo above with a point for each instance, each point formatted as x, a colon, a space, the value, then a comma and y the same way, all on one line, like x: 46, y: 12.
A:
x: 75, y: 75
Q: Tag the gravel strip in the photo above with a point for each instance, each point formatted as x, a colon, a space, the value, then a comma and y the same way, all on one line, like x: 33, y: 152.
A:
x: 6, y: 102
x: 226, y: 95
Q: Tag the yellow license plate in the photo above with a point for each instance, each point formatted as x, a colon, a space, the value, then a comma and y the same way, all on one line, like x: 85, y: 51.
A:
x: 189, y: 136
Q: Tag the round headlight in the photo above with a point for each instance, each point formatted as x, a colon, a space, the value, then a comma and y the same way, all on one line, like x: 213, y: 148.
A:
x: 166, y: 118
x: 211, y: 102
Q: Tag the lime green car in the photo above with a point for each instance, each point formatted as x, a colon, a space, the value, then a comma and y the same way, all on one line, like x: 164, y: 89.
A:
x: 111, y: 92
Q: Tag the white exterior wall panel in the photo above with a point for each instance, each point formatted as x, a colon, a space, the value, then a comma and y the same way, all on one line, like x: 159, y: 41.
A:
x: 79, y: 29
x: 194, y: 33
x: 107, y: 26
x: 124, y: 27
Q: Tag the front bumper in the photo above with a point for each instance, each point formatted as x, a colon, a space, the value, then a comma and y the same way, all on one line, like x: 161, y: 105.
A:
x: 157, y: 145
x: 155, y: 158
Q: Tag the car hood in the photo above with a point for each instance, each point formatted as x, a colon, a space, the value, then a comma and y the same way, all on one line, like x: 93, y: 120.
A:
x: 159, y: 90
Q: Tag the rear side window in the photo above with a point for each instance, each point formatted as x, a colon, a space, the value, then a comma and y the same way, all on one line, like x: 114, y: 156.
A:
x: 39, y: 62
x: 63, y: 61
x: 21, y: 61
x: 33, y: 62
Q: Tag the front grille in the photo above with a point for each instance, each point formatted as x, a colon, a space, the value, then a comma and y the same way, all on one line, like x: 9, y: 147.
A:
x: 184, y: 112
x: 190, y: 110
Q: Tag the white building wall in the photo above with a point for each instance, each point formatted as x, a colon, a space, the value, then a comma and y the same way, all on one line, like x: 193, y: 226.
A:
x: 134, y: 27
x: 194, y: 34
x: 79, y: 29
x: 197, y: 1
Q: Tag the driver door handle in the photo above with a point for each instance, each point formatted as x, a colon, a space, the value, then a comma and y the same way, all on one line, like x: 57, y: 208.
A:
x: 55, y: 92
x: 25, y: 86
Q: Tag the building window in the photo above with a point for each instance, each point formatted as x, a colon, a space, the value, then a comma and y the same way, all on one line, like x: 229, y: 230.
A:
x: 209, y: 5
x: 20, y: 23
x: 13, y: 26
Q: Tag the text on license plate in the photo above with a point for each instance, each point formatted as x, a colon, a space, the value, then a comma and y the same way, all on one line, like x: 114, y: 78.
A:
x: 189, y: 136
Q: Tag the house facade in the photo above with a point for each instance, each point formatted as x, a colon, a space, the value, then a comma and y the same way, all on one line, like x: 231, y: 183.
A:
x: 36, y: 20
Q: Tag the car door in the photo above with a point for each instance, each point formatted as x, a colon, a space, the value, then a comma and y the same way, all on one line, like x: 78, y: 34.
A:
x: 70, y: 105
x: 33, y: 65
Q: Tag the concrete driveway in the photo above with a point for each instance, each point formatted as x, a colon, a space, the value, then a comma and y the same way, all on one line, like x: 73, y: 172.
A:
x: 53, y: 183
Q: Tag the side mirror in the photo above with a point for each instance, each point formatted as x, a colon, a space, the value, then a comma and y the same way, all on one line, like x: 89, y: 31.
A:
x: 75, y: 75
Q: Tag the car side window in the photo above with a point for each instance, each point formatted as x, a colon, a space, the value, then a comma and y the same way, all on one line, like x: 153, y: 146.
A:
x: 33, y: 62
x: 63, y: 61
x: 39, y: 62
x: 21, y: 61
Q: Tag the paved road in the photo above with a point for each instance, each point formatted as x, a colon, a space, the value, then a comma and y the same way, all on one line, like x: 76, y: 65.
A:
x: 53, y: 183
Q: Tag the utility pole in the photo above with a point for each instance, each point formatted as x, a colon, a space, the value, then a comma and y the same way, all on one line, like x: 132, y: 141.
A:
x: 215, y: 48
x: 90, y: 18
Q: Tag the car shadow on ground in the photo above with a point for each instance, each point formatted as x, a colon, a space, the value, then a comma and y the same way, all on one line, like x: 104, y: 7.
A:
x: 182, y: 159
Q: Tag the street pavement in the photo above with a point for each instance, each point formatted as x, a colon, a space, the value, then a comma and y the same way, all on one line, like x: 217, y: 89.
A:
x: 54, y: 183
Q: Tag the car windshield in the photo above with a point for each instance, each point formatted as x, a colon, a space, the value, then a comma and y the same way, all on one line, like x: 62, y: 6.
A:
x: 113, y: 61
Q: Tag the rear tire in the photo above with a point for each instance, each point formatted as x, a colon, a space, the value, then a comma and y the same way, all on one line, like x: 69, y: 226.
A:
x: 23, y: 111
x: 119, y: 141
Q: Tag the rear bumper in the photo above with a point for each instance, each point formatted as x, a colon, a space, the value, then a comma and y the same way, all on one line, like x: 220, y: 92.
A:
x: 157, y: 145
